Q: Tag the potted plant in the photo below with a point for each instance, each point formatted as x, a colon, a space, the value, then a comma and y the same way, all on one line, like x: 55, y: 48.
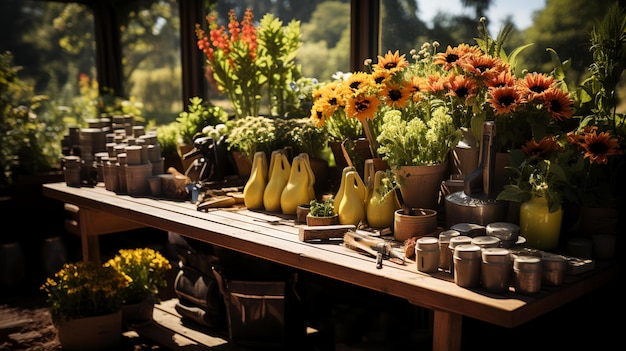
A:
x: 416, y: 147
x: 322, y: 212
x: 145, y: 269
x: 538, y: 184
x: 85, y: 301
x: 190, y: 124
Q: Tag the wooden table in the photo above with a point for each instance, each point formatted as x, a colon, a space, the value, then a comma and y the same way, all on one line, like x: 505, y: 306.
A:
x: 256, y: 234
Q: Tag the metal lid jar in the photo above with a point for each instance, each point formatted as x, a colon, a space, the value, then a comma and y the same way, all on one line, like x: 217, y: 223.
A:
x: 454, y: 241
x: 508, y: 233
x: 527, y: 274
x: 485, y: 241
x: 495, y: 271
x: 427, y: 254
x: 467, y: 261
x: 553, y: 270
x: 445, y: 256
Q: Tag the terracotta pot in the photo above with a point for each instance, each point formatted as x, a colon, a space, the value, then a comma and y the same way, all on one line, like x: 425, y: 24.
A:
x: 423, y: 222
x: 243, y: 164
x: 420, y: 185
x: 315, y: 221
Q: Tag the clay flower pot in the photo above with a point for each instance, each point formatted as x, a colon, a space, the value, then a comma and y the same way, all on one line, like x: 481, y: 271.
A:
x: 315, y: 221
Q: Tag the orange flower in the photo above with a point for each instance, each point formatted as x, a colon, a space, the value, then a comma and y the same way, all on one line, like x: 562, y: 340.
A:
x: 535, y: 83
x: 391, y: 62
x: 504, y: 99
x: 599, y: 146
x: 359, y: 82
x: 543, y: 148
x: 396, y: 95
x: 558, y: 103
x: 483, y: 66
x: 362, y: 107
x: 462, y: 87
x: 453, y: 55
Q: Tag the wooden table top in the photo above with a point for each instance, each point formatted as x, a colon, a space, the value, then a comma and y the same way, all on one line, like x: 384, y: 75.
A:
x: 274, y: 237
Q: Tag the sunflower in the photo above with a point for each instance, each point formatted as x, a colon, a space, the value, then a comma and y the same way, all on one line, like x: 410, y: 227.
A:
x: 391, y: 62
x: 362, y: 107
x: 504, y: 99
x: 359, y: 82
x: 462, y: 87
x: 396, y: 95
x: 599, y: 146
x: 535, y: 83
x: 558, y: 103
x: 542, y: 149
x: 453, y: 55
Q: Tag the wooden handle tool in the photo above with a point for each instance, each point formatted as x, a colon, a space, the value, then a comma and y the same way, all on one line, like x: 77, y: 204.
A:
x: 324, y: 232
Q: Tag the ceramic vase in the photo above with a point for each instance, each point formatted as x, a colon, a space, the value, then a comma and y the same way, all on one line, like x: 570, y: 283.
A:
x: 538, y: 226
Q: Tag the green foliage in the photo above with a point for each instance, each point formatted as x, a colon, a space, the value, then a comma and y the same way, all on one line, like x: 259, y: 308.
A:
x: 31, y: 132
x: 305, y: 137
x: 608, y: 47
x: 418, y: 141
x: 323, y: 208
x: 167, y: 135
x: 535, y: 177
x: 278, y: 46
x: 199, y: 115
x: 252, y: 134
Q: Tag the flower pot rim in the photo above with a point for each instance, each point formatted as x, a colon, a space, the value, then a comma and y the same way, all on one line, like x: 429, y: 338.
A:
x: 416, y: 210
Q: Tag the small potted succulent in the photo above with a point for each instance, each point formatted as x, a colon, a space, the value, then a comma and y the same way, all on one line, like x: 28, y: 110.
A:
x: 322, y: 212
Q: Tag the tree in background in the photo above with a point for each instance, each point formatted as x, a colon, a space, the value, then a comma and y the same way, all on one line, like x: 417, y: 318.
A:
x: 564, y: 25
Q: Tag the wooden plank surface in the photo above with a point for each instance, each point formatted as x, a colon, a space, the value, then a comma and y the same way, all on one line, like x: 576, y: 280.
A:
x: 274, y: 237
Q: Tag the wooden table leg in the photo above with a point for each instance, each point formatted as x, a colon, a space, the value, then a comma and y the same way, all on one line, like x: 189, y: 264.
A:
x: 447, y: 329
x: 90, y: 241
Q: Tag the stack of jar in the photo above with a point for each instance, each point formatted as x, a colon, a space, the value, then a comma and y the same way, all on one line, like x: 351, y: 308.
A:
x: 485, y: 257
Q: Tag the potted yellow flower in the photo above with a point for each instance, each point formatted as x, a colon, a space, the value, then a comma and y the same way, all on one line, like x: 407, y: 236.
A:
x: 85, y: 301
x: 145, y: 270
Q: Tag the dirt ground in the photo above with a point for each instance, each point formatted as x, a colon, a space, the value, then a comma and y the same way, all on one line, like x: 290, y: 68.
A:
x: 33, y: 329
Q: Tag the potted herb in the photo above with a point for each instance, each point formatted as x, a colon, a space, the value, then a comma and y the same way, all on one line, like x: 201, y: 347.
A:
x: 322, y: 212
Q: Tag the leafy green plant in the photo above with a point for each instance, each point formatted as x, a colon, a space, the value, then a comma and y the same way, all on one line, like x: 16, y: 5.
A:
x: 418, y: 141
x: 31, y: 132
x: 536, y: 173
x: 199, y: 115
x: 323, y: 208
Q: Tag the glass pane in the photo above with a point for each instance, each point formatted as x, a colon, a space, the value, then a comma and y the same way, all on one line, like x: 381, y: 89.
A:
x: 53, y: 44
x: 150, y: 37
